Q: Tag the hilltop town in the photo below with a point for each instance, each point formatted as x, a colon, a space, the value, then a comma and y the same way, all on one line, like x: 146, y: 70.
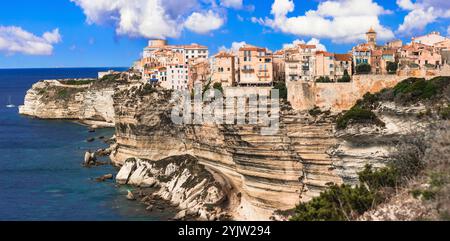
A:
x: 179, y: 67
x: 345, y: 113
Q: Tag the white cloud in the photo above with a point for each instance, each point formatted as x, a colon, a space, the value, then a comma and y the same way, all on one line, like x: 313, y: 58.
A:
x: 421, y: 13
x: 448, y: 31
x: 313, y: 41
x: 232, y: 3
x: 257, y: 20
x: 339, y: 20
x: 204, y: 22
x: 155, y: 18
x: 17, y: 40
x: 235, y: 46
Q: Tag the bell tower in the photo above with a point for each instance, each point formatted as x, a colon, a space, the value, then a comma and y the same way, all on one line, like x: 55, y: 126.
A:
x: 371, y: 37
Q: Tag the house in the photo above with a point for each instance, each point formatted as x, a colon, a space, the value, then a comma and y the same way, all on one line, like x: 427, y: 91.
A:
x: 342, y: 63
x: 300, y: 62
x: 170, y: 66
x: 225, y: 69
x: 324, y: 66
x: 430, y: 39
x: 255, y: 66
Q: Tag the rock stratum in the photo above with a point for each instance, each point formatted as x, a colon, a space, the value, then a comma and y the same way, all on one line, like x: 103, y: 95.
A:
x: 267, y: 172
x: 257, y: 174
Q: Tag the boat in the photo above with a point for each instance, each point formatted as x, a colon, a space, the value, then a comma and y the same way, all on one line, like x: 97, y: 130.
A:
x: 10, y: 105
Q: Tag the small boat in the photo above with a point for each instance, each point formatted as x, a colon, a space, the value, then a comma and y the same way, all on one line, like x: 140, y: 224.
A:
x: 10, y: 105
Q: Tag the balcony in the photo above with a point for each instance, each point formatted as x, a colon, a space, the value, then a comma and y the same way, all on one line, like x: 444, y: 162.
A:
x: 247, y: 71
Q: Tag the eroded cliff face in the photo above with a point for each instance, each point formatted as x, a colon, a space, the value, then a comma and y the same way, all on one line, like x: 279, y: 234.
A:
x: 267, y: 172
x: 90, y: 103
x: 182, y: 181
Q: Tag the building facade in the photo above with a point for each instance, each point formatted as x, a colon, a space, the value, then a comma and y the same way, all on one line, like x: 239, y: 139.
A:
x: 255, y: 66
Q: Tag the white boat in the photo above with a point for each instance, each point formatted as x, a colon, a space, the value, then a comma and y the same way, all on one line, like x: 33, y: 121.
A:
x: 10, y: 105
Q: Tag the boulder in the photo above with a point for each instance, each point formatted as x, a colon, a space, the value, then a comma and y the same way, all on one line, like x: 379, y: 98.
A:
x: 104, y: 178
x: 89, y: 159
x: 180, y: 215
x: 130, y: 196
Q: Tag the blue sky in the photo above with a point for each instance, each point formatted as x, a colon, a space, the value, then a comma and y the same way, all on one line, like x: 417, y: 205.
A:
x: 97, y: 33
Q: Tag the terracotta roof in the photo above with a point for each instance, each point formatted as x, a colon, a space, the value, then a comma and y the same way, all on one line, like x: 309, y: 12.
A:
x: 324, y: 53
x: 223, y: 54
x: 389, y: 52
x: 307, y: 46
x: 251, y: 48
x: 343, y: 57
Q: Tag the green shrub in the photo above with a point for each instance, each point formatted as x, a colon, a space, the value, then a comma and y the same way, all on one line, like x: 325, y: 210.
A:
x: 345, y: 202
x: 384, y: 177
x: 358, y: 115
x: 345, y: 78
x: 324, y: 79
x: 218, y: 86
x: 363, y: 68
x: 76, y: 82
x: 445, y: 113
x: 283, y: 90
x: 391, y: 67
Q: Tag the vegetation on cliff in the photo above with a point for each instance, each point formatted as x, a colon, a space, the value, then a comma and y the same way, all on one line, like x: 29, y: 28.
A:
x: 281, y: 87
x: 345, y: 202
x: 408, y: 92
x: 77, y: 82
x: 420, y: 164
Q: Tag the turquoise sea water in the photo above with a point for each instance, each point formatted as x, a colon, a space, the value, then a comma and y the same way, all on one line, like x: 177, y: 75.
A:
x: 41, y: 177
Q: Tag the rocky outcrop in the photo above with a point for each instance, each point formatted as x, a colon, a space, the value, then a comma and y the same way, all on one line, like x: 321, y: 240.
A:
x: 180, y: 180
x: 268, y: 172
x: 88, y: 103
x: 362, y: 144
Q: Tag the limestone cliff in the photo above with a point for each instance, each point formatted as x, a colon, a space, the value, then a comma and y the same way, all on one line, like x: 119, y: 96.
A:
x: 182, y: 181
x: 88, y: 101
x: 267, y: 172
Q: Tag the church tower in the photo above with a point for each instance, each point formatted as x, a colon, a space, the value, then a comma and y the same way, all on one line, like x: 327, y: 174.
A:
x: 371, y: 37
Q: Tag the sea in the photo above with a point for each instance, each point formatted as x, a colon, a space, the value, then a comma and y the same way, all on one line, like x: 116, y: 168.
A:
x: 41, y: 172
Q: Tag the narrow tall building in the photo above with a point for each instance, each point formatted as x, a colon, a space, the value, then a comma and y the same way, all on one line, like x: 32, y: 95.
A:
x: 256, y: 66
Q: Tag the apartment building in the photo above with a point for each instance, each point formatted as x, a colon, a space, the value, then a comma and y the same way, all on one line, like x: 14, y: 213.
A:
x: 300, y: 63
x: 332, y: 65
x: 256, y: 66
x: 225, y: 69
x: 170, y: 65
x: 419, y: 56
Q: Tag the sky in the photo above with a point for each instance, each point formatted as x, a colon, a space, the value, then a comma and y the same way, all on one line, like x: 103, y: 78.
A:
x: 112, y: 33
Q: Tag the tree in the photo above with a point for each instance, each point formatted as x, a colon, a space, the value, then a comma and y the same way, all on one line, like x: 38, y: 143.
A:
x: 391, y: 67
x: 345, y: 78
x: 363, y: 68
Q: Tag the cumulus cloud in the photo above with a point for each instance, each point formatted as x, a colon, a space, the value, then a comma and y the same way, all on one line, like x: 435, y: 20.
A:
x: 14, y: 39
x: 313, y: 41
x: 339, y: 20
x: 232, y: 3
x: 235, y: 46
x: 204, y: 22
x: 421, y: 13
x: 155, y: 18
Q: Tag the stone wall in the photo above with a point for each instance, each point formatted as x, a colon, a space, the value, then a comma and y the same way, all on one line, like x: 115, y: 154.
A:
x: 338, y: 96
